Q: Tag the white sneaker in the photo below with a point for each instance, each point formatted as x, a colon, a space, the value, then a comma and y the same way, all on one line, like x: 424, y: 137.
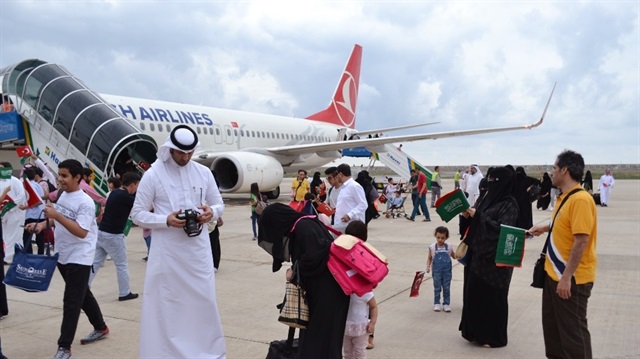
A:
x: 436, y: 308
x: 447, y: 309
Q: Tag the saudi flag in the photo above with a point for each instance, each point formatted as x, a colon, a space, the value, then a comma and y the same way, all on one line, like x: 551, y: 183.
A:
x: 510, y: 246
x: 6, y: 172
x: 451, y: 204
x: 6, y: 205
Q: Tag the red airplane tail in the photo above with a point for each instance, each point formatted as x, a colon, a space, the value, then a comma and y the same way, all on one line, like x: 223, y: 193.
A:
x: 342, y: 109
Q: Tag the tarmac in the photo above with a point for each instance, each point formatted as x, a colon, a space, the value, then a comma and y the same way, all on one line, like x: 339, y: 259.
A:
x: 247, y: 292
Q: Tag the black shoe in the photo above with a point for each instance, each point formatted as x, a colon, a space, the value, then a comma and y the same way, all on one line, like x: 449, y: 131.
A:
x: 145, y: 258
x: 411, y: 219
x: 426, y: 220
x: 128, y: 297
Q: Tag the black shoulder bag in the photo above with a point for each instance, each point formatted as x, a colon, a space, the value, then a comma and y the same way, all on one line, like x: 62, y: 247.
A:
x: 538, y: 270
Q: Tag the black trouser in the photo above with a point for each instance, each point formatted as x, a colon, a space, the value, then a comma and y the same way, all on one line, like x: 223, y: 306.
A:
x: 77, y: 296
x: 214, y: 238
x: 26, y: 237
x: 564, y: 321
x: 4, y: 307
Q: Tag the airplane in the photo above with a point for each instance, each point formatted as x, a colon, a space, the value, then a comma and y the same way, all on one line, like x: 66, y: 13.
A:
x: 62, y: 118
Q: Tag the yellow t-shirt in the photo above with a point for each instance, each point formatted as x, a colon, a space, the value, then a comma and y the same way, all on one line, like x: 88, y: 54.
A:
x: 300, y: 189
x: 577, y: 216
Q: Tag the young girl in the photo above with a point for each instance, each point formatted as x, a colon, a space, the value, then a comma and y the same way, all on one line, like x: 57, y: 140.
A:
x: 361, y: 321
x: 440, y: 255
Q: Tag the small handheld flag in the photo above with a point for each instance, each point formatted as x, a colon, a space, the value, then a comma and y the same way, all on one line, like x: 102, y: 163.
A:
x: 24, y: 151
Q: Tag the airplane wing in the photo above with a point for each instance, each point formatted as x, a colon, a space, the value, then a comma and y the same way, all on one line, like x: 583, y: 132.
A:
x: 339, y: 145
x: 390, y: 129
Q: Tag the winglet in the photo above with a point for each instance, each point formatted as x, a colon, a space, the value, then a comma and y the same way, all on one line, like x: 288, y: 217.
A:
x: 342, y: 109
x: 545, y: 109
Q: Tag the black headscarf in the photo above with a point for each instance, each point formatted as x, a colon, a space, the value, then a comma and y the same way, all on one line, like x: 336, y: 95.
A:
x: 274, y: 232
x: 499, y: 185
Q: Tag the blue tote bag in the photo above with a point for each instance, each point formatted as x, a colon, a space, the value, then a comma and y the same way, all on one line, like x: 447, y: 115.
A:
x: 31, y: 272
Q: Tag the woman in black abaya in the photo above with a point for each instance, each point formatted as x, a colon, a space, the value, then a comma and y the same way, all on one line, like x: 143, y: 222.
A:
x: 485, y: 309
x: 545, y: 192
x: 307, y: 245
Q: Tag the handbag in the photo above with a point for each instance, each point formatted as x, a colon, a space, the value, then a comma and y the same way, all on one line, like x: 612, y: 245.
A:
x: 260, y: 206
x: 294, y: 310
x: 31, y: 272
x: 539, y: 274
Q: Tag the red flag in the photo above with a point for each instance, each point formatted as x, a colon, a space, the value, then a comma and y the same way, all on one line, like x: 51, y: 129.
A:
x: 415, y: 286
x: 32, y: 196
x: 23, y: 151
x: 234, y: 124
x: 6, y: 205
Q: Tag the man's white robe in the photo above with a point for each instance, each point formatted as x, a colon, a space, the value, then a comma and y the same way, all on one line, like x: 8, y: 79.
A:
x: 179, y: 312
x: 605, y: 185
x: 12, y: 220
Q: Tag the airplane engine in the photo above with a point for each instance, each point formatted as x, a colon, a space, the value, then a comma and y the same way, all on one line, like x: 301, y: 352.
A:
x: 237, y: 170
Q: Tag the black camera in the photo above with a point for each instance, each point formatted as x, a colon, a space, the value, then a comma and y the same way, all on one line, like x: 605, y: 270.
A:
x: 192, y: 228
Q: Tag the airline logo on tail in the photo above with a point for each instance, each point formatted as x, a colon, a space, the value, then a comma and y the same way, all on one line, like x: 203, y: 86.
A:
x: 342, y: 109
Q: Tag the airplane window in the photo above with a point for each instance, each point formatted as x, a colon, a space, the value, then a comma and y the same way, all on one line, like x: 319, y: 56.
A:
x: 228, y: 132
x: 263, y: 135
x: 217, y: 131
x: 211, y: 130
x: 160, y: 127
x: 278, y: 135
x: 142, y: 126
x: 235, y: 133
x: 273, y: 135
x: 242, y: 133
x: 258, y: 134
x: 253, y: 133
x: 168, y: 128
x: 152, y: 127
x: 198, y: 130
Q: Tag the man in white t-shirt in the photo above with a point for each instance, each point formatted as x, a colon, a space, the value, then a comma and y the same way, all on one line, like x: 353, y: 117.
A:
x: 76, y: 232
x: 352, y: 202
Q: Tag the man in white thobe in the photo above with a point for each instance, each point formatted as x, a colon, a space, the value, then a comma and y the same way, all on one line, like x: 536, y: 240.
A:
x: 352, y: 202
x: 179, y: 312
x: 605, y: 186
x: 14, y: 219
x: 472, y: 183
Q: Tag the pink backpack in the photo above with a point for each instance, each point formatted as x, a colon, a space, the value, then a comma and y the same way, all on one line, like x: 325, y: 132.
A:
x: 357, y: 266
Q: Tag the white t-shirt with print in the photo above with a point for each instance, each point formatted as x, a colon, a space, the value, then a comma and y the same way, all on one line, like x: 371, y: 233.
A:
x: 358, y: 317
x: 80, y: 208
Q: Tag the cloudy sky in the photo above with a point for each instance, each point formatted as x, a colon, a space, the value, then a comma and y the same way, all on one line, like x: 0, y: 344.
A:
x: 466, y: 64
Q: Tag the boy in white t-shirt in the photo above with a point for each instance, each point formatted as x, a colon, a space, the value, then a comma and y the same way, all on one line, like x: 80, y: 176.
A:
x: 76, y: 232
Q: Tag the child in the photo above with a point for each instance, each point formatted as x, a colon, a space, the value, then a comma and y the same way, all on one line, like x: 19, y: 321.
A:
x: 361, y: 321
x: 440, y: 255
x: 359, y: 230
x: 76, y: 233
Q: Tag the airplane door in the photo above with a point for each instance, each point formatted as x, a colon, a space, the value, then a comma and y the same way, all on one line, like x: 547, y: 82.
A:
x: 228, y: 134
x: 217, y: 134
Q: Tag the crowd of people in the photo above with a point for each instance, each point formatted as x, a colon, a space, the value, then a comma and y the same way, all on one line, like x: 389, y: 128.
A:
x: 176, y: 198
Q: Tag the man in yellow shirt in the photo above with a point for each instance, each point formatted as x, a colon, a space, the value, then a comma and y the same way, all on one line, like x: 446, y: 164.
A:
x: 570, y: 265
x: 300, y: 186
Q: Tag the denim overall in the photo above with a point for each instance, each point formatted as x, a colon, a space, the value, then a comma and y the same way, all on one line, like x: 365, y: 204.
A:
x: 441, y: 274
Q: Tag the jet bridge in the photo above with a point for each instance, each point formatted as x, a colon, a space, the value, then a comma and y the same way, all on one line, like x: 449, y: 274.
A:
x: 63, y: 119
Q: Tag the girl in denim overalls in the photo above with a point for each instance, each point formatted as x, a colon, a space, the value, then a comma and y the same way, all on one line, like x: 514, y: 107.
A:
x: 440, y: 255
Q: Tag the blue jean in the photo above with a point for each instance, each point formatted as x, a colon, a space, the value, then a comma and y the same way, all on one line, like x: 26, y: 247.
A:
x: 254, y: 222
x: 441, y: 282
x: 421, y: 201
x: 113, y: 245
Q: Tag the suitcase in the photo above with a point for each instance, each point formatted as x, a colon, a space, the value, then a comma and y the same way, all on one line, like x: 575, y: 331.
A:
x: 596, y: 198
x: 285, y: 349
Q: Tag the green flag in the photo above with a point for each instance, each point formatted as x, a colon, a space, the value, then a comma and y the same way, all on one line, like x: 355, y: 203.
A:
x: 510, y: 246
x: 6, y: 172
x: 6, y: 205
x: 451, y: 204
